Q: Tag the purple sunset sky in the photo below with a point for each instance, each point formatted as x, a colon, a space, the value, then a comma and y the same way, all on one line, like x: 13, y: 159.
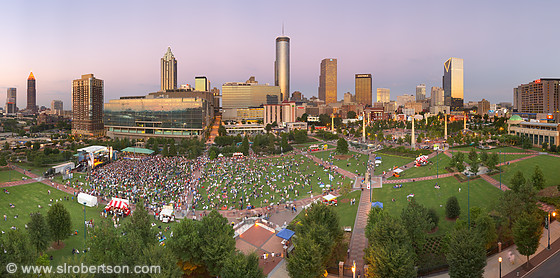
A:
x: 402, y: 43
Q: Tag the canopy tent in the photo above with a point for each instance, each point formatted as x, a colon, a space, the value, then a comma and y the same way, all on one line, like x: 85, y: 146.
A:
x: 329, y: 197
x: 377, y: 205
x: 285, y: 234
x: 421, y: 160
x: 117, y: 203
x: 398, y: 170
x: 378, y: 157
x: 86, y: 199
x: 137, y: 150
x: 166, y: 212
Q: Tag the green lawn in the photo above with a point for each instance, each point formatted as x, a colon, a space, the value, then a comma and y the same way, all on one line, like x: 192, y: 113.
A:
x: 498, y: 149
x: 346, y: 212
x: 279, y: 177
x: 26, y: 199
x: 355, y: 163
x: 390, y: 161
x: 549, y: 165
x: 80, y: 177
x: 430, y: 169
x: 482, y: 194
x: 37, y: 170
x: 7, y: 175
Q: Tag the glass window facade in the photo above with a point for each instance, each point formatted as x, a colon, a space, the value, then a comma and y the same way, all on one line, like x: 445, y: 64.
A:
x: 158, y: 116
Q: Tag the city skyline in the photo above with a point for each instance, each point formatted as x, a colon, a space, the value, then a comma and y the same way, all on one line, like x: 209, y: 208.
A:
x: 415, y: 45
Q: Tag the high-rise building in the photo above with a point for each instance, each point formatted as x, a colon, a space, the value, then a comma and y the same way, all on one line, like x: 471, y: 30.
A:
x: 436, y: 96
x: 421, y: 92
x: 282, y: 66
x: 453, y: 82
x: 57, y: 106
x: 348, y: 98
x: 363, y: 89
x: 168, y: 71
x: 31, y: 94
x: 11, y: 101
x: 297, y: 95
x: 383, y: 95
x: 201, y: 84
x: 539, y: 96
x: 247, y: 94
x: 87, y: 106
x: 404, y: 99
x: 328, y: 81
x: 483, y: 107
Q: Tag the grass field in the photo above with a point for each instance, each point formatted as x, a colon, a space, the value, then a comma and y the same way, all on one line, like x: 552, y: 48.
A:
x: 390, y: 161
x: 498, y: 149
x: 37, y: 170
x: 482, y: 194
x: 355, y: 163
x: 427, y: 170
x: 502, y: 157
x: 7, y: 175
x: 80, y: 177
x: 278, y: 177
x: 347, y: 212
x: 549, y: 165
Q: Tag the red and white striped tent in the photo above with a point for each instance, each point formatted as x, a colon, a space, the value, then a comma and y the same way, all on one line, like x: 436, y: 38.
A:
x: 422, y: 160
x: 119, y: 204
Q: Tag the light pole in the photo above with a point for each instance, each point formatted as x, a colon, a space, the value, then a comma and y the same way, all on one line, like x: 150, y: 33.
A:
x: 437, y: 168
x: 500, y: 260
x: 548, y: 227
x: 469, y: 199
x: 85, y: 228
x: 499, y: 161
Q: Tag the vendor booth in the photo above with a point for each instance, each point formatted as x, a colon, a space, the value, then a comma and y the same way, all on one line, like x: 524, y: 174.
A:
x: 86, y: 199
x: 118, y: 206
x: 167, y: 214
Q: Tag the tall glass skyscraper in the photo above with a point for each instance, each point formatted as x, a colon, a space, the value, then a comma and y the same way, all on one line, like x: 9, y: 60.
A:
x: 363, y: 89
x: 168, y: 71
x: 421, y: 92
x: 453, y: 83
x: 282, y: 66
x: 31, y: 94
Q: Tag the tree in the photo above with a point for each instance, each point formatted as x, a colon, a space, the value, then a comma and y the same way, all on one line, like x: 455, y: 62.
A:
x: 465, y: 255
x: 517, y: 181
x: 474, y: 168
x: 140, y: 225
x: 172, y: 150
x: 239, y: 265
x: 268, y: 128
x: 544, y: 146
x: 417, y: 223
x: 473, y: 156
x: 452, y: 208
x: 486, y: 228
x: 59, y: 221
x: 245, y: 146
x: 222, y: 130
x: 351, y: 115
x: 484, y: 157
x: 15, y: 248
x: 212, y: 154
x: 538, y: 178
x: 304, y: 262
x: 527, y: 231
x: 3, y: 161
x: 342, y: 146
x: 162, y: 257
x: 39, y: 232
x: 186, y: 246
x: 434, y: 218
x: 217, y: 242
x: 492, y: 161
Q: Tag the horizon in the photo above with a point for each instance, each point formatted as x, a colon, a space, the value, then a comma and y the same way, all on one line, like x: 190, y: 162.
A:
x: 228, y: 42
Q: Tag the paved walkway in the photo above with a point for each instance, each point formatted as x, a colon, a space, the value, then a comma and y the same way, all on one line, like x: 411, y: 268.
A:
x: 358, y: 242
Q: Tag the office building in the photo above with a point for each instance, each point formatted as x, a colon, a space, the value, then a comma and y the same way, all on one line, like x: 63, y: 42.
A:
x: 328, y: 81
x: 421, y: 92
x: 168, y: 71
x: 483, y: 107
x: 285, y: 112
x: 57, y: 107
x: 363, y: 89
x: 383, y: 95
x: 348, y: 98
x: 539, y: 96
x: 282, y: 66
x: 31, y: 94
x: 11, y: 101
x: 172, y: 114
x: 453, y: 83
x: 404, y: 99
x: 201, y: 84
x: 87, y: 106
x: 437, y: 96
x: 537, y: 133
x: 297, y: 95
x: 247, y: 94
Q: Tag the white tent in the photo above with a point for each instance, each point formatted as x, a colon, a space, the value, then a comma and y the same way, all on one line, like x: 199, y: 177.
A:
x: 89, y: 200
x: 329, y: 197
x: 398, y: 170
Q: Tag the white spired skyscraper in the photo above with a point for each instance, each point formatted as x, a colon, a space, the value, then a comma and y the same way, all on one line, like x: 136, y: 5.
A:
x: 282, y: 66
x: 168, y: 71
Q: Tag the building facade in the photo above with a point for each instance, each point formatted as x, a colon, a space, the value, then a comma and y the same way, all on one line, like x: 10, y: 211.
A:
x: 57, y: 106
x: 453, y: 82
x: 363, y: 89
x: 421, y: 92
x: 348, y: 98
x: 404, y: 99
x: 11, y: 101
x: 537, y: 133
x: 297, y: 95
x: 383, y: 95
x: 437, y: 96
x: 328, y: 81
x: 282, y: 66
x: 87, y: 106
x: 31, y: 94
x: 483, y: 107
x: 201, y: 84
x: 539, y: 96
x: 248, y: 94
x: 168, y: 71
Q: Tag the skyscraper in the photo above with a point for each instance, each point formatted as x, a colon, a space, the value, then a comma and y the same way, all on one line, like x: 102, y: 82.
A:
x: 11, y: 101
x: 421, y: 92
x: 540, y: 96
x: 57, y: 106
x: 282, y: 66
x: 87, y: 106
x: 383, y: 95
x: 31, y: 94
x: 328, y: 81
x: 436, y: 96
x: 201, y: 84
x: 168, y: 71
x: 363, y: 89
x: 453, y: 82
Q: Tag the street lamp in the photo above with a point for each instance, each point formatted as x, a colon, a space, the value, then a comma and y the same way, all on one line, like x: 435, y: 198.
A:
x: 85, y: 228
x: 437, y: 168
x: 353, y: 269
x: 548, y: 227
x: 500, y: 260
